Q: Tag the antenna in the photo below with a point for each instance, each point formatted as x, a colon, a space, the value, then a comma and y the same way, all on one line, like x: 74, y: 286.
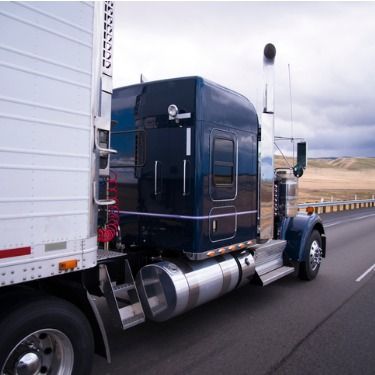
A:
x: 291, y: 110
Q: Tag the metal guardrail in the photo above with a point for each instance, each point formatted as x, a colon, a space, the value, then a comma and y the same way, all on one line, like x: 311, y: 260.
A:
x: 339, y: 205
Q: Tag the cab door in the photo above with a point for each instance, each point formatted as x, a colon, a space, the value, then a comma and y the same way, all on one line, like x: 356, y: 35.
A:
x: 167, y: 173
x: 223, y: 185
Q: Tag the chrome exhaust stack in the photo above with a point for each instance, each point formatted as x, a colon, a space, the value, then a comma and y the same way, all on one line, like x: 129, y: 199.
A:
x: 266, y: 167
x: 168, y: 289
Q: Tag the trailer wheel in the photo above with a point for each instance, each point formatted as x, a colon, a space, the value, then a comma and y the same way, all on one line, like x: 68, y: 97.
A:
x: 309, y: 268
x: 45, y: 336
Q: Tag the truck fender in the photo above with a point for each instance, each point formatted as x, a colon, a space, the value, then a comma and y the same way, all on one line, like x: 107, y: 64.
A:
x: 73, y: 289
x: 297, y: 230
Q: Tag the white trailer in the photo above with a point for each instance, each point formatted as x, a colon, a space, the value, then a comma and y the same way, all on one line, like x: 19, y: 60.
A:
x: 55, y: 101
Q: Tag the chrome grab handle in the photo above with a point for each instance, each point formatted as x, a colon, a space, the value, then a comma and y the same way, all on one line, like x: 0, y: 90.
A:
x: 101, y: 202
x: 184, y: 179
x: 100, y: 148
x: 156, y: 177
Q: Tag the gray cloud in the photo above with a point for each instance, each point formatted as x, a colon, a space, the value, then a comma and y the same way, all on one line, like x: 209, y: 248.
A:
x: 329, y: 46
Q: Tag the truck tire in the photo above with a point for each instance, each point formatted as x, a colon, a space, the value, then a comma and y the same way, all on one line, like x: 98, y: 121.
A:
x: 45, y: 336
x: 309, y: 268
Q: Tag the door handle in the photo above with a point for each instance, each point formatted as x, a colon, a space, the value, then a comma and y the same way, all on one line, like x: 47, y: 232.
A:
x: 184, y: 178
x: 156, y: 167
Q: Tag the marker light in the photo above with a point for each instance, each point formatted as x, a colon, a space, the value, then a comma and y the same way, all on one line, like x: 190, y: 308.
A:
x: 68, y: 264
x: 172, y: 111
x: 310, y: 210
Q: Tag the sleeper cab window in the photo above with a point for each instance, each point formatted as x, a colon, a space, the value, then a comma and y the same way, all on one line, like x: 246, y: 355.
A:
x: 223, y: 162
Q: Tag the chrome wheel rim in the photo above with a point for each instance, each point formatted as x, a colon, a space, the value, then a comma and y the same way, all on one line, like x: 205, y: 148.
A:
x: 315, y: 255
x: 47, y: 351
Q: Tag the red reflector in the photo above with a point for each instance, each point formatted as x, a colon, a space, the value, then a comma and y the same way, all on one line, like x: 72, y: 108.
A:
x: 15, y: 252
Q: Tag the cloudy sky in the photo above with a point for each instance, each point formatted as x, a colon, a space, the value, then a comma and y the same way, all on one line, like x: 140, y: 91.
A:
x: 330, y: 48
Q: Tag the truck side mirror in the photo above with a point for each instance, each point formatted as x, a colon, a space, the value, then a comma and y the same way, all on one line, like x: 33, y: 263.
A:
x: 301, y: 154
x: 301, y: 159
x: 298, y: 170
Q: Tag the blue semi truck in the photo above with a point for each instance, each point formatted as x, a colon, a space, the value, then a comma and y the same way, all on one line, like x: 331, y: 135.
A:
x: 145, y: 201
x: 199, y: 212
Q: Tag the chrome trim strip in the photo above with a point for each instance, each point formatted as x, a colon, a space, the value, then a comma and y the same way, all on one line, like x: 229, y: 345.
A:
x: 188, y: 141
x: 203, y: 253
x: 156, y: 177
x: 184, y: 179
x: 187, y: 217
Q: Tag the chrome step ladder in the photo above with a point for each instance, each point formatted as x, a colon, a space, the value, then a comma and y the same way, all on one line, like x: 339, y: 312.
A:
x: 122, y: 298
x: 269, y: 261
x: 278, y: 273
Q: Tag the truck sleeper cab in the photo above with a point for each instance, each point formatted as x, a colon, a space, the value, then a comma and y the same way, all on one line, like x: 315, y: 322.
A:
x: 187, y: 168
x: 187, y: 184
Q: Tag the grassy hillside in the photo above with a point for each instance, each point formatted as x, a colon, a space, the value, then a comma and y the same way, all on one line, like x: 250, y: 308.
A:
x: 351, y: 164
x: 340, y: 178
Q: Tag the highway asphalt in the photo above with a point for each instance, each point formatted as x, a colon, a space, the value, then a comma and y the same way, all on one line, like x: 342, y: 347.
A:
x: 326, y: 326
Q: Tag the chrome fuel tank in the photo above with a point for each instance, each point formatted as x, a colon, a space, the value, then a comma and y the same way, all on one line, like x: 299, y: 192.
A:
x: 168, y: 289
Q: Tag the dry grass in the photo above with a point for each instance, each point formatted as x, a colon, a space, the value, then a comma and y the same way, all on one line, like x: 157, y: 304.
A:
x: 341, y: 178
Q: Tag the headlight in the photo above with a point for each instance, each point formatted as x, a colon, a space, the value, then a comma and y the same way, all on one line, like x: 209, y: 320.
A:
x: 172, y: 111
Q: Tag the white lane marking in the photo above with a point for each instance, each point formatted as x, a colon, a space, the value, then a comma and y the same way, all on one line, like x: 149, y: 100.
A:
x: 372, y: 268
x: 332, y: 224
x: 347, y: 221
